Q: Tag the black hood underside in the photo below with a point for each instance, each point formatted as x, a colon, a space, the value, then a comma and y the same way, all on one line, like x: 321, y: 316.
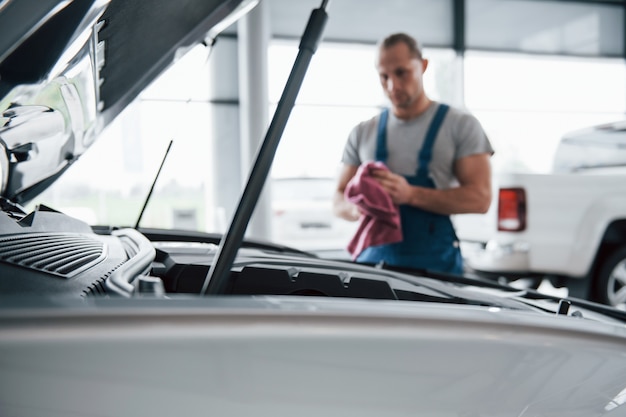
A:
x: 69, y: 68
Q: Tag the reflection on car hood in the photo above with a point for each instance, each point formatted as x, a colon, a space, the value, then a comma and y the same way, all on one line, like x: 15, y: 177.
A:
x: 68, y: 68
x: 286, y: 356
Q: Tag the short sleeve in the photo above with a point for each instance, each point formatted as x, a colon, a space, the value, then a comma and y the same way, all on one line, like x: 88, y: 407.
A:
x: 471, y: 137
x: 350, y: 151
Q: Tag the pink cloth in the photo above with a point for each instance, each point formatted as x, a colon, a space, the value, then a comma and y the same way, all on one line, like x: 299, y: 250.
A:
x: 380, y: 218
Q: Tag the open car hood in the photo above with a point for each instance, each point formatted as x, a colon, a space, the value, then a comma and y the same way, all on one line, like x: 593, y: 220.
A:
x: 69, y: 67
x: 118, y: 321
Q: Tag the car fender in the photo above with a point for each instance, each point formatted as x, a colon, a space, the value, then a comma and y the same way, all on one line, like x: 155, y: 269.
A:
x: 591, y: 231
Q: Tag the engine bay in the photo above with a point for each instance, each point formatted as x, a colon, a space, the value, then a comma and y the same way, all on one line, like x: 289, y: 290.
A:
x: 47, y: 252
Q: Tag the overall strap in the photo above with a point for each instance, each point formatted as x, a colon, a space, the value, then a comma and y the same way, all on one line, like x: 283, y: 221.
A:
x: 381, y: 138
x: 426, y: 153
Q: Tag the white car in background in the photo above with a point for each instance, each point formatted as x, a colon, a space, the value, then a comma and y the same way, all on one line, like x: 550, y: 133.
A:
x: 302, y: 214
x: 567, y: 226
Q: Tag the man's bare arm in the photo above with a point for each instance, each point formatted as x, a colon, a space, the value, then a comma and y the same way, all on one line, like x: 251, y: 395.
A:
x: 473, y: 195
x: 341, y: 207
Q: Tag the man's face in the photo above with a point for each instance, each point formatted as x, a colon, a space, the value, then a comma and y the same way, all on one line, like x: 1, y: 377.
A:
x: 400, y: 76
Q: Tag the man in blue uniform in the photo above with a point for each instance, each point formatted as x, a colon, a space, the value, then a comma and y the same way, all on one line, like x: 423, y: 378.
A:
x: 438, y: 158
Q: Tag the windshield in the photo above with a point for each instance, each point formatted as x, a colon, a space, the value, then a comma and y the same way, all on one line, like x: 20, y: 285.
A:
x: 602, y: 146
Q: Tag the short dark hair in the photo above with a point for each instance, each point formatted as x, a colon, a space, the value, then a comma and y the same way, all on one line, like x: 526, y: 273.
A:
x: 414, y: 48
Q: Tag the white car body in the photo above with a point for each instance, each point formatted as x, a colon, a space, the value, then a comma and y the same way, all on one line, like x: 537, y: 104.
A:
x: 573, y: 215
x: 567, y: 215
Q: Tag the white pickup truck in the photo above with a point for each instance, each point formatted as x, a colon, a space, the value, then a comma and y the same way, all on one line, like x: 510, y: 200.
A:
x: 568, y: 225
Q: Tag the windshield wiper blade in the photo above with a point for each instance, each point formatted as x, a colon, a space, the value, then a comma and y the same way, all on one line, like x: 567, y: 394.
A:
x: 218, y: 274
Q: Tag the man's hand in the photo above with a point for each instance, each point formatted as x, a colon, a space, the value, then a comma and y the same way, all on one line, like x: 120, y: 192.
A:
x: 341, y: 207
x: 354, y: 213
x: 397, y: 186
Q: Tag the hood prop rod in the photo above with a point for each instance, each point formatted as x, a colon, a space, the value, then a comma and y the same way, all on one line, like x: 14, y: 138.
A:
x: 217, y: 277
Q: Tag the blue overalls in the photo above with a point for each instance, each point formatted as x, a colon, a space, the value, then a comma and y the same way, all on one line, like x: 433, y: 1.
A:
x: 430, y: 242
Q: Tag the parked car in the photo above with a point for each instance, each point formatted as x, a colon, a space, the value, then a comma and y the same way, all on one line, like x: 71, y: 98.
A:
x: 127, y: 321
x: 302, y: 213
x: 594, y: 147
x: 566, y: 226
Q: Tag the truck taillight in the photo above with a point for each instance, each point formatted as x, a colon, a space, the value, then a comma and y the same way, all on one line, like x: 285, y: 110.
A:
x: 512, y: 210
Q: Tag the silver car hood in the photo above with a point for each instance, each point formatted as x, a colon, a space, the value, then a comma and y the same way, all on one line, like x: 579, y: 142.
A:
x: 286, y: 356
